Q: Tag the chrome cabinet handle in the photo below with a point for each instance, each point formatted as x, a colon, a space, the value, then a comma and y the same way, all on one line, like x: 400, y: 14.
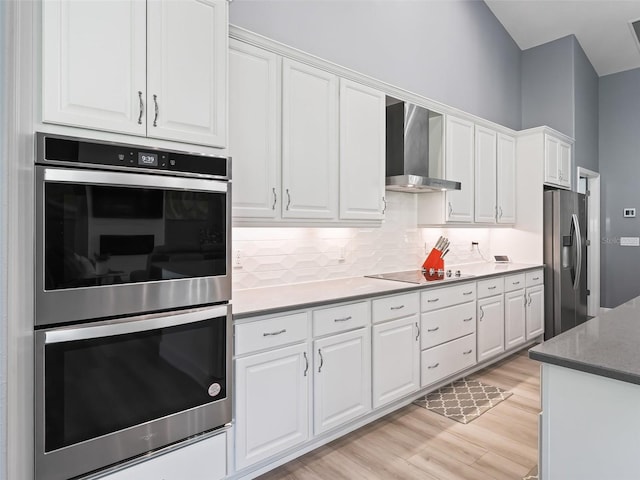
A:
x: 434, y: 366
x: 481, y: 313
x: 141, y: 107
x: 431, y: 300
x: 344, y: 319
x: 492, y: 288
x: 536, y: 278
x: 273, y: 334
x: 288, y: 199
x: 399, y: 307
x: 321, y: 360
x: 500, y: 216
x: 306, y: 363
x: 467, y: 352
x: 467, y: 293
x: 155, y: 118
x: 275, y: 199
x: 384, y: 209
x: 515, y: 283
x: 467, y: 319
x: 450, y: 208
x: 418, y: 329
x: 525, y: 299
x: 529, y: 300
x: 433, y: 329
x: 495, y: 208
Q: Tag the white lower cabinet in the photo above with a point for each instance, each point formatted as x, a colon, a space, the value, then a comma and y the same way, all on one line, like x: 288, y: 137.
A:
x: 341, y: 378
x: 203, y: 460
x: 514, y: 318
x: 444, y: 360
x: 272, y: 403
x: 490, y: 327
x: 535, y: 311
x: 396, y: 359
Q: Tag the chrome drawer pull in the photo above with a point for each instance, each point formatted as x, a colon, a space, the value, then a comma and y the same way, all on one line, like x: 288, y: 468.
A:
x: 345, y: 319
x: 306, y: 363
x: 269, y: 334
x: 536, y: 278
x: 467, y: 293
x: 431, y: 300
x: 433, y: 329
x: 492, y: 288
x: 515, y: 283
x: 321, y: 360
x: 399, y: 307
x: 418, y: 329
x: 467, y: 319
x: 433, y: 366
x: 275, y: 199
x: 467, y: 352
x: 156, y: 109
x: 141, y: 107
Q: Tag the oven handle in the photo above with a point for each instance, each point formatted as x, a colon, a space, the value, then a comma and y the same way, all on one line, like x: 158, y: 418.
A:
x: 118, y: 179
x: 133, y: 325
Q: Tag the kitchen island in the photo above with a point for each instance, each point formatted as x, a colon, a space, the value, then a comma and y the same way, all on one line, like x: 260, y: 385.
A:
x: 590, y: 393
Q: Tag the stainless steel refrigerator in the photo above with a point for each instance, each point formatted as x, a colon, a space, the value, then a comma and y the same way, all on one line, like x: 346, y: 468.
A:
x: 565, y: 258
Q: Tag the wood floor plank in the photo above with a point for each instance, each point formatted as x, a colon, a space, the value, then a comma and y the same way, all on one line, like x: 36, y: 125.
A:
x: 416, y: 443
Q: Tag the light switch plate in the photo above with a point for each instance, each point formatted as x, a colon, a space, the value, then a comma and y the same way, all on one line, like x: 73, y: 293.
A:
x: 628, y: 212
x: 630, y: 241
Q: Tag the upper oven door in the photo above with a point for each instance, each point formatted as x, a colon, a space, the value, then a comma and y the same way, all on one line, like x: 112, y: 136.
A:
x: 113, y: 243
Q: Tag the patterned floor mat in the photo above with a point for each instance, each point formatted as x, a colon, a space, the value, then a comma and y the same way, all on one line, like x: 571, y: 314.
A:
x: 463, y: 400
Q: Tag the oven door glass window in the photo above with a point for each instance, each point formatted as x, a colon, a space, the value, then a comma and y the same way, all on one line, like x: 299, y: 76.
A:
x: 102, y: 235
x: 102, y: 385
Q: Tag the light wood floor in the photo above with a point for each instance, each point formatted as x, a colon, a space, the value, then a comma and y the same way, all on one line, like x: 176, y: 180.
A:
x: 414, y: 443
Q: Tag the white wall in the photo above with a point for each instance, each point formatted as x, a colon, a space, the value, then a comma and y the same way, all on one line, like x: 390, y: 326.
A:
x: 452, y: 51
x: 3, y: 248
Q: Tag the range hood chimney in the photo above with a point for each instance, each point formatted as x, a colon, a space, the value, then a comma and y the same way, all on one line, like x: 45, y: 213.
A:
x: 408, y: 168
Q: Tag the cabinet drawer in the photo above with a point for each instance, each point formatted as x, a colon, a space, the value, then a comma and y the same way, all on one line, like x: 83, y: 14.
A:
x: 488, y: 288
x: 536, y: 277
x: 440, y: 326
x: 514, y: 282
x: 445, y: 297
x: 204, y: 460
x: 270, y: 333
x: 340, y: 318
x: 397, y: 306
x: 439, y: 362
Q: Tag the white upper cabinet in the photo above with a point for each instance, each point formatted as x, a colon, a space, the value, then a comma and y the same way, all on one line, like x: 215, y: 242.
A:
x: 154, y: 68
x: 309, y: 142
x: 557, y: 162
x: 506, y: 178
x: 459, y: 155
x: 186, y: 71
x: 93, y: 64
x: 362, y: 151
x: 254, y: 130
x: 485, y: 175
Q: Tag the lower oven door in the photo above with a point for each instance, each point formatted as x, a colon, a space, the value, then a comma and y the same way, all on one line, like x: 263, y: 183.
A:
x: 109, y: 391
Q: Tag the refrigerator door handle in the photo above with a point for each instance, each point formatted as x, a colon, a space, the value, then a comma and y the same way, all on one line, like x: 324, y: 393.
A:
x: 576, y: 226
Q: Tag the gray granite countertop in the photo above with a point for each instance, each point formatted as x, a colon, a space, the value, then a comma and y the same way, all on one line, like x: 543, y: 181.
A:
x: 267, y: 300
x: 607, y: 345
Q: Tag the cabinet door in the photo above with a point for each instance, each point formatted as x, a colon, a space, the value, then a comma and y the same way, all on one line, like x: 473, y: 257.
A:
x: 94, y: 64
x: 396, y: 359
x: 254, y: 130
x: 490, y: 327
x: 564, y: 162
x: 342, y: 378
x: 362, y: 151
x: 459, y: 167
x: 535, y: 311
x: 309, y: 142
x: 551, y: 160
x: 187, y: 71
x: 485, y: 175
x: 514, y: 318
x: 272, y: 403
x: 506, y: 187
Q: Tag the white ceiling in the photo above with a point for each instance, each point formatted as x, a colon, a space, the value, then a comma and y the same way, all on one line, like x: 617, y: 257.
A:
x: 601, y: 26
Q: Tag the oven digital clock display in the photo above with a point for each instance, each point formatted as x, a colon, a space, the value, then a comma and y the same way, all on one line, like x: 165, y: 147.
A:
x: 147, y: 159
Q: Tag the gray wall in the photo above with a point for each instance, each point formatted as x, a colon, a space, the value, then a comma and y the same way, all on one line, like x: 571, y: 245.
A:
x: 3, y: 255
x: 454, y: 52
x: 585, y: 110
x: 620, y: 170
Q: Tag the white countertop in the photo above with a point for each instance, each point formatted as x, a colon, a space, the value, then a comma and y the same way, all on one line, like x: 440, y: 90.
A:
x: 261, y: 301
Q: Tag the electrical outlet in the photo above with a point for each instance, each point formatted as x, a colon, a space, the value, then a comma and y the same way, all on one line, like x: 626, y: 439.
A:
x: 474, y: 244
x: 342, y: 255
x: 237, y: 259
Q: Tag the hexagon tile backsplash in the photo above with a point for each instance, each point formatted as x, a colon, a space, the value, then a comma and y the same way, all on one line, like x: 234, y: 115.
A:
x: 275, y: 256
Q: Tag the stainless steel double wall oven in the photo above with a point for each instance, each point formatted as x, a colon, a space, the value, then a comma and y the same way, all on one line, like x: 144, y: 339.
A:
x: 132, y: 291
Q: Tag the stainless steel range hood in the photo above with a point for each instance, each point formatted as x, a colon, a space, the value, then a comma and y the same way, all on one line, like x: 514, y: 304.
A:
x: 410, y: 166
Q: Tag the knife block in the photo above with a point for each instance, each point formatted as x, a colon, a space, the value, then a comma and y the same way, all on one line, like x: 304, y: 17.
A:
x: 434, y: 260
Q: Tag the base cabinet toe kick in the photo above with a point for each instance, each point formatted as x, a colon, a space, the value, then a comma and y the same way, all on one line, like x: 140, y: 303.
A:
x: 309, y: 376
